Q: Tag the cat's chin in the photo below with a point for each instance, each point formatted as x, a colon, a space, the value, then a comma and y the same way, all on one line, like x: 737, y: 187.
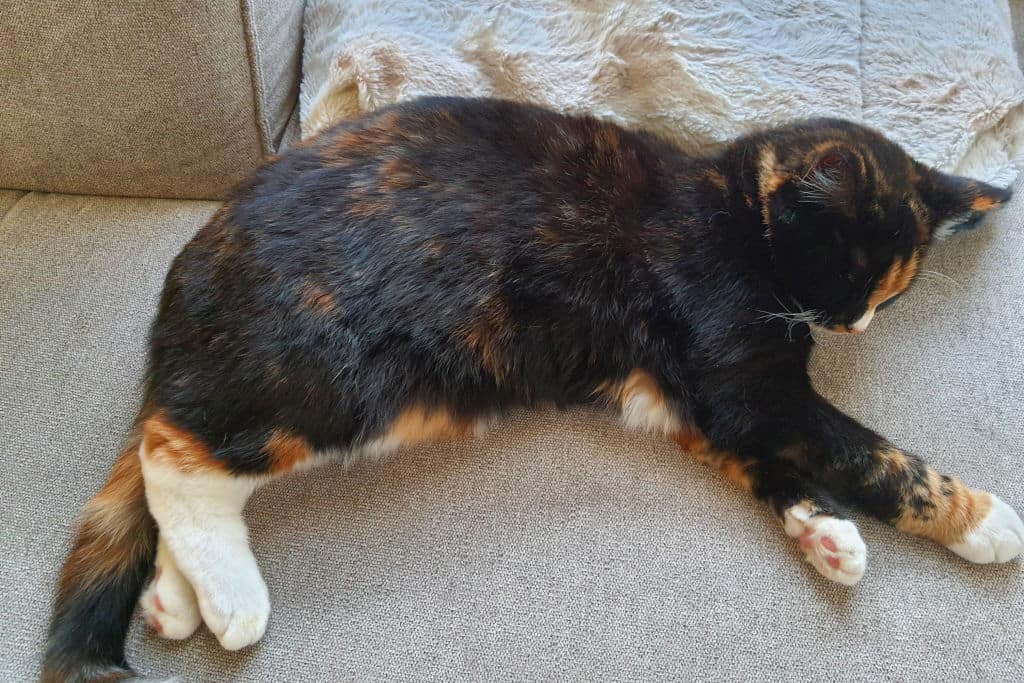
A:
x: 837, y: 331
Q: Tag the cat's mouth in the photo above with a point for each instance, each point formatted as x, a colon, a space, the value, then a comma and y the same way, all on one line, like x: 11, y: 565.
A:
x: 858, y: 326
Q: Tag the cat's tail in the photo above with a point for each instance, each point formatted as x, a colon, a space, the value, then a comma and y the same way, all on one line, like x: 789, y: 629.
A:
x: 112, y: 557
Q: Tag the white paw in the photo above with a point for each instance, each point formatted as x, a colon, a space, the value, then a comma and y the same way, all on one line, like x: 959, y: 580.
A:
x: 832, y: 545
x: 999, y: 537
x: 236, y: 611
x: 169, y: 603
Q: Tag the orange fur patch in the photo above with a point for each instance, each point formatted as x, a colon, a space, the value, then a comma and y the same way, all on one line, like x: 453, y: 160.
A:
x: 369, y: 139
x: 607, y: 139
x: 367, y: 208
x: 769, y: 179
x: 286, y: 451
x: 955, y: 510
x: 640, y: 382
x: 895, y: 281
x: 397, y: 174
x: 167, y: 443
x: 715, y: 178
x: 642, y: 402
x: 893, y: 462
x: 694, y: 443
x: 419, y: 424
x: 317, y: 299
x: 434, y: 247
x: 983, y: 202
x: 488, y: 334
x: 942, y: 509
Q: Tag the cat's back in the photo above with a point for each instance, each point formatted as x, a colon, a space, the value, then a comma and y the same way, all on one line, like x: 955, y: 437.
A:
x: 444, y: 164
x: 439, y: 195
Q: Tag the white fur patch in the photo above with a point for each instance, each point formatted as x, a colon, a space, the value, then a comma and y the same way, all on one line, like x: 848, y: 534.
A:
x: 200, y: 519
x: 999, y: 537
x: 947, y: 227
x: 833, y: 546
x: 648, y: 413
x: 169, y: 602
x: 862, y: 322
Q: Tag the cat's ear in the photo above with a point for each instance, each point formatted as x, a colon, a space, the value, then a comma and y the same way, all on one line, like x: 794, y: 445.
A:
x: 955, y: 203
x: 830, y: 177
x: 827, y: 178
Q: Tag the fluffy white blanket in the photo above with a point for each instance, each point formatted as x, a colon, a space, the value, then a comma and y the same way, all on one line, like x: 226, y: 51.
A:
x: 940, y: 77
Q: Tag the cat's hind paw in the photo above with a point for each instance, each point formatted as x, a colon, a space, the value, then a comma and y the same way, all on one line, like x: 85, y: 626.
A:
x: 237, y: 609
x: 832, y: 545
x: 998, y: 538
x: 169, y: 603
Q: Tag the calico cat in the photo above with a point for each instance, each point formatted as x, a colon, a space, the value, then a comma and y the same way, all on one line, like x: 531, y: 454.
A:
x: 413, y: 274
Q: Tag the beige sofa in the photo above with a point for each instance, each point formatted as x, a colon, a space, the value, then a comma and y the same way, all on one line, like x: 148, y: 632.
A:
x: 556, y: 548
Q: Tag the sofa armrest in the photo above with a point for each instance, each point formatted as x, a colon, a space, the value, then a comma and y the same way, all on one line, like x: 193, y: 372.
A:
x: 174, y: 98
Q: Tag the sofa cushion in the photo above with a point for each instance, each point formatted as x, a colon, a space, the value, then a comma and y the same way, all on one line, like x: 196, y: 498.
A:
x: 161, y: 99
x: 558, y: 547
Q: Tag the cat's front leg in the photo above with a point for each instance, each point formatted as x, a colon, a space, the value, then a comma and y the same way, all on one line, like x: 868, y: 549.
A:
x: 903, y: 490
x: 829, y: 542
x: 837, y: 455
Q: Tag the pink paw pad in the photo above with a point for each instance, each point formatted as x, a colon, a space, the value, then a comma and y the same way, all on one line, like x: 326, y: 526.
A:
x: 807, y: 542
x: 831, y: 544
x: 153, y: 623
x: 169, y: 605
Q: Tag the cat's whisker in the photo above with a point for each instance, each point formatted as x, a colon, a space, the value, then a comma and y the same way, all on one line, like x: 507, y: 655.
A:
x: 817, y: 187
x: 936, y: 275
x: 800, y: 316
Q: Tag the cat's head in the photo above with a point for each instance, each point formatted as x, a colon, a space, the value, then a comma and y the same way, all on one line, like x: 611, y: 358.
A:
x: 848, y: 216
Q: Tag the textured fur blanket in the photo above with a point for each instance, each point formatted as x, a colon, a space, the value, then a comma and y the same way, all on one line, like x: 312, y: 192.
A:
x: 940, y: 77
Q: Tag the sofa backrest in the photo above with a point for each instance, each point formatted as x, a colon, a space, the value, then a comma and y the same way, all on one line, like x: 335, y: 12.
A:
x: 161, y: 98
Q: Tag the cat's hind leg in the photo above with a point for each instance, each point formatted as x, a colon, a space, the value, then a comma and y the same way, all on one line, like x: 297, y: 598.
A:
x: 169, y: 603
x: 197, y: 504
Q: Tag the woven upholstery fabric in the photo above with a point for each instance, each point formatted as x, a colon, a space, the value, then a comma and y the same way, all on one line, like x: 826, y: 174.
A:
x: 160, y: 99
x: 558, y: 547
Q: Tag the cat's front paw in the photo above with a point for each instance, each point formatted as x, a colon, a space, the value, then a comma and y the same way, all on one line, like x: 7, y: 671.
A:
x: 998, y: 538
x: 832, y: 545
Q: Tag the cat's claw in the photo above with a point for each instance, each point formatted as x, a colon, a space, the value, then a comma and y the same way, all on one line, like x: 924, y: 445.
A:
x: 169, y: 604
x: 832, y: 545
x: 999, y: 537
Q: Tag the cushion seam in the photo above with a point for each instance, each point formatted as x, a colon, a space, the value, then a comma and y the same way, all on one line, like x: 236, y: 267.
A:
x: 255, y: 75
